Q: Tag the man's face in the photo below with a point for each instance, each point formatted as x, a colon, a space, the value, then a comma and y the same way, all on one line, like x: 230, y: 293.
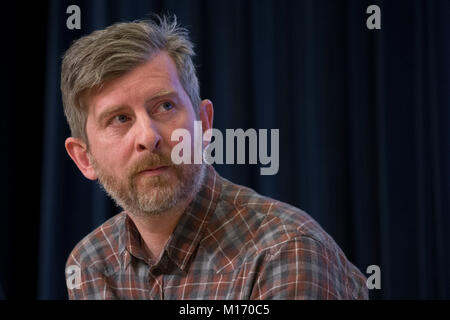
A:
x: 129, y: 126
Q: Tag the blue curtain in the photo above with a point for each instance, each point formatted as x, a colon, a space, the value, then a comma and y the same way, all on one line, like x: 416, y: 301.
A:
x: 364, y: 119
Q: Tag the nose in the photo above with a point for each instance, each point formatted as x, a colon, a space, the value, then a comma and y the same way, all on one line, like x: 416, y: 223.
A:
x: 147, y: 134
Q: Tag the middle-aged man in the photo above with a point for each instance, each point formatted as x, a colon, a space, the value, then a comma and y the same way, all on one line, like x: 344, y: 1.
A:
x: 185, y: 232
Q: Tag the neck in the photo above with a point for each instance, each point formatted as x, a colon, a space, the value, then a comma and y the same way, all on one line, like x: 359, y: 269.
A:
x: 156, y: 230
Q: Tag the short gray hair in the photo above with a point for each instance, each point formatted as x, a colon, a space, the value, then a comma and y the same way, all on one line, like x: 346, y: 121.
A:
x: 110, y: 53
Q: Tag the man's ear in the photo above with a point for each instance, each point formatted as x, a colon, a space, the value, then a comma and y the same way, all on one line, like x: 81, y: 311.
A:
x: 77, y: 150
x: 206, y: 115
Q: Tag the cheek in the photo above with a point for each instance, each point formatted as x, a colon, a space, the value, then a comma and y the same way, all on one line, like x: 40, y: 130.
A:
x: 183, y: 122
x: 111, y: 157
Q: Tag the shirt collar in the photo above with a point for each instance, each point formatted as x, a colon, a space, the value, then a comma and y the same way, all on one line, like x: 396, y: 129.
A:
x: 188, y: 232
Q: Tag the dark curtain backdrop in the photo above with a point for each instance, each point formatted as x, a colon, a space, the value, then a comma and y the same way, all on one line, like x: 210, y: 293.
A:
x: 363, y: 116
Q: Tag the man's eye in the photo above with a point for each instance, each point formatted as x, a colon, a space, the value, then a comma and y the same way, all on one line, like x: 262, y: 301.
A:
x: 121, y: 118
x: 166, y: 106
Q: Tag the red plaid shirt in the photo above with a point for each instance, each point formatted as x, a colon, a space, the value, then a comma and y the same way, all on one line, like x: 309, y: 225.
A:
x: 231, y: 243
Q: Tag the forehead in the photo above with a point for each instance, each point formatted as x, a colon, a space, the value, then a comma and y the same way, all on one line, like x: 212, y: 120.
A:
x: 156, y: 75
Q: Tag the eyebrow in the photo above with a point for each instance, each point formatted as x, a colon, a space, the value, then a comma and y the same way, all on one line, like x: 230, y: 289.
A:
x: 114, y: 109
x: 159, y: 94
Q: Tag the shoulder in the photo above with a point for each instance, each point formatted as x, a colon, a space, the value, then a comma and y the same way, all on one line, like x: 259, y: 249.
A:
x: 270, y: 221
x: 280, y: 234
x: 100, y: 248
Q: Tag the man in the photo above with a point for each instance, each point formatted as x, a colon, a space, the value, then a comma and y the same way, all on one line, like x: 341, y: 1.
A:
x: 185, y: 232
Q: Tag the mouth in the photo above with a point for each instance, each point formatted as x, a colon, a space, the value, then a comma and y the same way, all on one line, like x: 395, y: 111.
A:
x: 154, y: 170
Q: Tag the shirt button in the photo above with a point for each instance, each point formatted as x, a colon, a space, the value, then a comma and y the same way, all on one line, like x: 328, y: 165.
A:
x: 157, y: 272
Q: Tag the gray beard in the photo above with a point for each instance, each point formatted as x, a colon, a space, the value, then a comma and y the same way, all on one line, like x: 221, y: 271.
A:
x: 158, y: 195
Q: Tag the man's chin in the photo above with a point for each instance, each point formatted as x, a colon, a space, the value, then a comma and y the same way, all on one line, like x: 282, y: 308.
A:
x: 158, y: 194
x: 147, y: 195
x: 158, y: 205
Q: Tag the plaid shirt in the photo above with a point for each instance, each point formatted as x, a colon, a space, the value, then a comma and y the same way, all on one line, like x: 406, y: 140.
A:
x: 231, y: 243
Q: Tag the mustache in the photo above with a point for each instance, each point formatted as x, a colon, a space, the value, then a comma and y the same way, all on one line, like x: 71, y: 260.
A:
x: 149, y: 161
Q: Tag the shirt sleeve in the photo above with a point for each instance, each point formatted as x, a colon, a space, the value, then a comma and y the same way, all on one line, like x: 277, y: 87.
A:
x: 303, y: 268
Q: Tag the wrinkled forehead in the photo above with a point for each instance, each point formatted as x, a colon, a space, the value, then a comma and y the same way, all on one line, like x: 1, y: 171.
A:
x: 156, y: 76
